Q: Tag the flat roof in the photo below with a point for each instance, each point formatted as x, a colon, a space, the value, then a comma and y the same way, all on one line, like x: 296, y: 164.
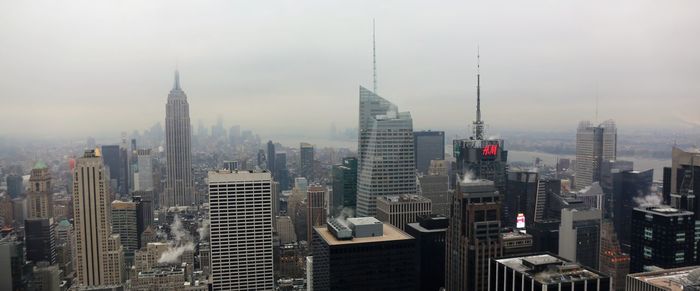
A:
x: 670, y: 279
x: 224, y: 176
x: 560, y: 270
x: 391, y: 233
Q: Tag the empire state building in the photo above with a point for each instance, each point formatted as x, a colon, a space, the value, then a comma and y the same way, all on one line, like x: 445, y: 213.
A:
x: 179, y: 190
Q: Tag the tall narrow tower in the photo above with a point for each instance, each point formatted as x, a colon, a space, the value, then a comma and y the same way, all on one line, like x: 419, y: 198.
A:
x: 179, y: 190
x: 99, y: 257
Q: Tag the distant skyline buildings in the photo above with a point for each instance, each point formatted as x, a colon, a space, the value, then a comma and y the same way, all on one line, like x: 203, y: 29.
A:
x: 179, y: 183
x: 594, y: 144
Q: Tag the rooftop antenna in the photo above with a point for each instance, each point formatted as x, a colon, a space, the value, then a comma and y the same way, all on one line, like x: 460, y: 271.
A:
x: 374, y: 57
x: 478, y: 124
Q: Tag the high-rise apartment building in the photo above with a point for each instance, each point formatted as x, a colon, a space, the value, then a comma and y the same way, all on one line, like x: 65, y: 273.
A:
x: 594, y: 144
x: 473, y: 235
x: 99, y: 256
x: 39, y: 196
x: 435, y: 185
x: 543, y: 272
x: 386, y: 163
x: 399, y: 210
x: 364, y: 254
x: 428, y: 145
x: 579, y: 236
x: 306, y: 160
x: 661, y: 236
x: 179, y: 188
x: 344, y: 185
x: 240, y: 210
x: 125, y: 224
x: 316, y: 208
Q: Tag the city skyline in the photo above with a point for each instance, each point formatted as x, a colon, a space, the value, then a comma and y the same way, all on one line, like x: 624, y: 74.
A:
x: 634, y: 61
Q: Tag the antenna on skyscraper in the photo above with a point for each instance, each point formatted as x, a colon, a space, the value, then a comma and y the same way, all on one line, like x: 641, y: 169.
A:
x: 478, y: 124
x: 374, y: 56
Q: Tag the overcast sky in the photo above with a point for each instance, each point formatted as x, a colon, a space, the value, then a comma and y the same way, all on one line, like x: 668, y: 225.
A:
x: 80, y: 68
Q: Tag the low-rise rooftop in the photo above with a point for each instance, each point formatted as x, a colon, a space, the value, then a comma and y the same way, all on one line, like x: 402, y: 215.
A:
x: 390, y: 233
x: 549, y: 269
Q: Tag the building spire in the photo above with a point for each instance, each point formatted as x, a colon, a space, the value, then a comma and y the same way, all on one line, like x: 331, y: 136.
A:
x: 176, y: 86
x: 478, y: 123
x: 374, y: 57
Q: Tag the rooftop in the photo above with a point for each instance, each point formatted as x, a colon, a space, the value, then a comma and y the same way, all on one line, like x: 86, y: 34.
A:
x: 403, y: 198
x: 549, y: 269
x: 391, y: 233
x: 663, y: 210
x: 224, y: 176
x: 671, y: 279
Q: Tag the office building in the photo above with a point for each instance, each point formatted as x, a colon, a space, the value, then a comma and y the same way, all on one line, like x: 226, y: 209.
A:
x: 12, y: 265
x: 613, y: 262
x: 516, y: 242
x: 159, y: 278
x: 478, y: 157
x: 271, y: 158
x: 545, y: 235
x: 281, y: 171
x: 543, y: 272
x: 144, y: 213
x: 143, y: 176
x: 39, y: 196
x: 473, y: 235
x: 179, y: 184
x: 661, y: 236
x: 306, y: 161
x: 435, y: 186
x: 240, y: 210
x: 344, y: 185
x: 607, y: 171
x: 40, y: 240
x: 683, y: 176
x: 594, y: 144
x: 15, y: 185
x: 400, y: 210
x: 428, y: 146
x: 115, y: 161
x: 386, y: 162
x: 683, y: 278
x: 99, y: 256
x: 125, y: 224
x: 285, y: 230
x: 628, y: 186
x: 430, y: 232
x: 316, y: 209
x: 365, y: 254
x: 45, y: 277
x: 520, y: 196
x: 579, y: 236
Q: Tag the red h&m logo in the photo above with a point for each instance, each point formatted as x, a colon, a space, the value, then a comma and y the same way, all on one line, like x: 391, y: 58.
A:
x: 490, y: 150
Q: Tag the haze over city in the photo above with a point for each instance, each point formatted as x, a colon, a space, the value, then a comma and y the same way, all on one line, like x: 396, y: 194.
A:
x: 82, y: 68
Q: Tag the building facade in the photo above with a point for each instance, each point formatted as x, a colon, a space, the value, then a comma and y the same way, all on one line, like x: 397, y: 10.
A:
x: 316, y: 209
x: 306, y: 160
x: 661, y: 236
x: 39, y: 196
x: 579, y: 236
x: 240, y: 210
x: 386, y: 162
x: 400, y: 210
x: 428, y: 146
x: 344, y: 185
x: 125, y: 224
x: 179, y: 183
x: 430, y: 233
x: 594, y: 144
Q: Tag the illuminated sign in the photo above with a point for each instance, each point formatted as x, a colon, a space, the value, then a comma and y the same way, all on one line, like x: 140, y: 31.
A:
x: 520, y: 221
x: 490, y: 150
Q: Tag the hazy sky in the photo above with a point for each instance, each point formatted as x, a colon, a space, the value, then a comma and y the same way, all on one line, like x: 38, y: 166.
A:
x: 82, y: 68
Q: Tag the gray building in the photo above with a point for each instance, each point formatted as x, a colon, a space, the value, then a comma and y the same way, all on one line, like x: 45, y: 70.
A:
x: 435, y: 186
x: 400, y: 210
x: 306, y: 160
x: 179, y: 184
x: 428, y: 146
x: 124, y: 223
x: 386, y: 162
x: 594, y: 144
x: 579, y: 236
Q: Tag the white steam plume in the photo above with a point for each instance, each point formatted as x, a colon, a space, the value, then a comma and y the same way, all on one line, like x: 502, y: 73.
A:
x: 181, y: 242
x: 649, y: 199
x: 203, y: 229
x: 468, y: 177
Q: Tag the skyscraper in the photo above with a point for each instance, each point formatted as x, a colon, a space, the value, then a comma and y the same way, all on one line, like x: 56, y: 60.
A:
x: 316, y: 208
x: 579, y: 236
x: 39, y: 196
x: 143, y: 178
x: 661, y: 236
x: 429, y: 232
x: 428, y: 145
x: 386, y: 164
x: 520, y: 197
x: 40, y: 240
x: 14, y: 185
x: 344, y: 185
x: 682, y: 178
x: 124, y: 223
x: 594, y: 144
x: 473, y: 235
x: 179, y: 188
x: 271, y: 158
x: 478, y: 157
x: 241, y: 230
x: 365, y: 254
x: 628, y: 185
x: 99, y: 257
x: 306, y: 160
x: 400, y: 210
x: 435, y: 185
